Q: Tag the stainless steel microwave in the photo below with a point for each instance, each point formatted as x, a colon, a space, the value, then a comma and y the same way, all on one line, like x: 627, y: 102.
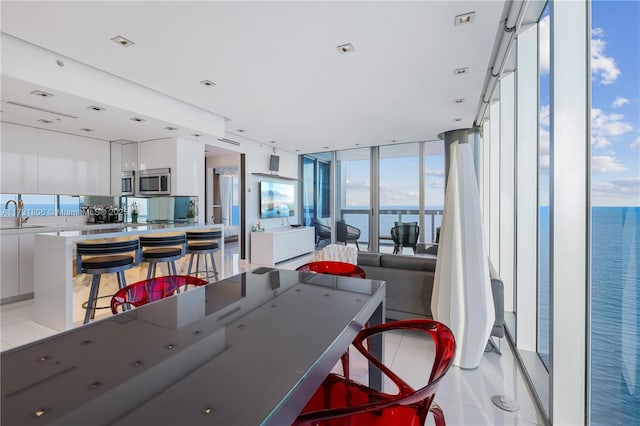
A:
x: 128, y: 183
x: 154, y: 182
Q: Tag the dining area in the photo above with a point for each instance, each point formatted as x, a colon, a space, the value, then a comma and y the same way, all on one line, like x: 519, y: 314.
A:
x: 249, y: 349
x: 259, y: 347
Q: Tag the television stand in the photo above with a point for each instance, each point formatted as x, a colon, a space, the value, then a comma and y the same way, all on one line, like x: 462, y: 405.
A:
x: 277, y: 245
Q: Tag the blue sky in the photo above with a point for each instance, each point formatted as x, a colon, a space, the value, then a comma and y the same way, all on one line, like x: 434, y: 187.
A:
x: 615, y: 109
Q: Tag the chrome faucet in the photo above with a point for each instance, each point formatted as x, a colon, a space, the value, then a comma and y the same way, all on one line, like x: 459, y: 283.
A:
x: 19, y: 206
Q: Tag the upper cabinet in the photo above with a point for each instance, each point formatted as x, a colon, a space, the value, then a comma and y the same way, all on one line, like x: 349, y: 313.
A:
x: 19, y: 159
x: 36, y: 161
x: 69, y: 164
x: 184, y: 157
x: 129, y: 158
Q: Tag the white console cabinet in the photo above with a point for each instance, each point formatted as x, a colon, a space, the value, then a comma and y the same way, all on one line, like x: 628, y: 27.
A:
x: 271, y: 247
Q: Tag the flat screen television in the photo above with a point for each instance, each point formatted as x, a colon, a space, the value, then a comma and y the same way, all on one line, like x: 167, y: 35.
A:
x: 276, y: 199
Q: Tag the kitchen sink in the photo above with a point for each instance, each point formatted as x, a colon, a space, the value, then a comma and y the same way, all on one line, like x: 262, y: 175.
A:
x: 25, y: 226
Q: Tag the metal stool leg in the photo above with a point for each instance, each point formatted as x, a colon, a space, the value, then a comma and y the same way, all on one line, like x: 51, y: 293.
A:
x: 206, y: 268
x: 190, y: 264
x: 213, y: 265
x: 197, y: 265
x: 91, y: 303
x: 149, y: 271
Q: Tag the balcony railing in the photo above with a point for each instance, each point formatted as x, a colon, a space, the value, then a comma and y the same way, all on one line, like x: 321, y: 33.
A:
x: 360, y: 219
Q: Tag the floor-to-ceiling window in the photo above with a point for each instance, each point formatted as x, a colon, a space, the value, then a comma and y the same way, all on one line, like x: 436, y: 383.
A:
x: 615, y: 213
x: 399, y: 167
x: 353, y: 171
x: 543, y: 188
x: 433, y: 190
x: 316, y: 188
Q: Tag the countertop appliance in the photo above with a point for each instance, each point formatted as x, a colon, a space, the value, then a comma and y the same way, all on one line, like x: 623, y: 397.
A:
x: 154, y: 182
x: 129, y: 183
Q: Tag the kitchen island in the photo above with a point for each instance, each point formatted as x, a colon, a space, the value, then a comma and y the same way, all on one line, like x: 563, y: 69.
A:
x: 60, y: 291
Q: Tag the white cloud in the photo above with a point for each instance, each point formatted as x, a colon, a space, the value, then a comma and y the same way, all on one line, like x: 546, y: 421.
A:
x: 602, y: 65
x: 544, y: 115
x: 635, y: 145
x: 606, y: 164
x: 625, y: 191
x: 434, y: 172
x: 605, y: 126
x: 619, y: 101
x: 545, y: 45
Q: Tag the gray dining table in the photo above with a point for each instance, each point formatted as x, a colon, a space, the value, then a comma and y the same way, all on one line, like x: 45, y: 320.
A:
x: 247, y: 350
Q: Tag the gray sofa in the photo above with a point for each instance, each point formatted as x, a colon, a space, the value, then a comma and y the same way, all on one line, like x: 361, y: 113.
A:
x: 410, y: 285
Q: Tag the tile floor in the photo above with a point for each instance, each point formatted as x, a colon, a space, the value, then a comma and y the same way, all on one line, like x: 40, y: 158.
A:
x: 464, y: 395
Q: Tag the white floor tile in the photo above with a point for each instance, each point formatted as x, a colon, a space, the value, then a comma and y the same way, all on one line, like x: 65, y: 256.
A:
x: 4, y: 345
x: 14, y: 312
x: 457, y: 414
x: 22, y: 332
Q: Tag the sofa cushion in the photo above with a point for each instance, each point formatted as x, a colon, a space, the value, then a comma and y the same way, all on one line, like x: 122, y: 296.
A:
x: 414, y: 263
x: 368, y: 259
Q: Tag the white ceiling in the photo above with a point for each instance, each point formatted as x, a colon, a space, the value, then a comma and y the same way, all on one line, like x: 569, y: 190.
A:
x: 277, y: 71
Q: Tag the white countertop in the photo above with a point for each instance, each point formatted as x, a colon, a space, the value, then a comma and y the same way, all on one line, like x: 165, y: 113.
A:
x: 123, y: 230
x: 108, y: 228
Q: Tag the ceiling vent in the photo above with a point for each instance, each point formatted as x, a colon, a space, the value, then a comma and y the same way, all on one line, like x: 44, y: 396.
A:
x: 40, y: 109
x: 95, y: 108
x: 207, y: 83
x: 42, y: 94
x: 229, y: 141
x: 42, y: 120
x: 122, y: 41
x: 137, y: 119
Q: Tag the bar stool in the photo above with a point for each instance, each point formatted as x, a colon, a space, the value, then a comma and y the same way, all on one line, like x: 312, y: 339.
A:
x: 203, y: 243
x: 105, y: 258
x: 163, y: 249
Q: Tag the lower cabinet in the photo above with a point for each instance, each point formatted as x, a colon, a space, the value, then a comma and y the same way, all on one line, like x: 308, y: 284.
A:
x: 16, y: 269
x: 271, y: 247
x: 10, y: 271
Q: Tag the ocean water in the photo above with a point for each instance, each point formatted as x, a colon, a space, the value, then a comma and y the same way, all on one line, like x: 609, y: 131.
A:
x: 615, y: 316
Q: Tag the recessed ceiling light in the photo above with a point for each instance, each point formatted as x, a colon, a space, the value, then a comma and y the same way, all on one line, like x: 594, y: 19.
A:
x: 394, y: 141
x: 84, y: 129
x: 457, y: 119
x: 138, y: 119
x: 357, y: 144
x: 465, y: 18
x: 122, y: 41
x: 95, y: 108
x: 345, y: 48
x: 461, y: 71
x: 325, y: 147
x: 41, y: 94
x: 207, y: 83
x: 297, y: 150
x: 240, y: 130
x: 197, y: 135
x: 458, y: 101
x: 170, y: 128
x: 273, y: 142
x: 42, y: 120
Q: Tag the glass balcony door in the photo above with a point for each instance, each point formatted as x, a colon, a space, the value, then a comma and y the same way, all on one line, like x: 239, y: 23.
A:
x: 353, y: 189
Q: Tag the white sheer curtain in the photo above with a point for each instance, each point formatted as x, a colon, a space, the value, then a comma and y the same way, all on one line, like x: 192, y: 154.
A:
x: 226, y: 192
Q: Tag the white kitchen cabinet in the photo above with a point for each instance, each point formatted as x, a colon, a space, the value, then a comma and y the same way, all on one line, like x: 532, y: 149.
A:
x: 69, y: 164
x: 116, y: 169
x: 26, y: 263
x: 10, y: 272
x: 271, y: 247
x: 19, y: 159
x: 129, y: 159
x: 158, y: 154
x: 184, y: 157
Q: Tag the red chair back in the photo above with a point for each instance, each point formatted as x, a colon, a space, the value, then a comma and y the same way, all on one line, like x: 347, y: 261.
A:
x: 333, y: 268
x: 340, y: 401
x: 151, y: 290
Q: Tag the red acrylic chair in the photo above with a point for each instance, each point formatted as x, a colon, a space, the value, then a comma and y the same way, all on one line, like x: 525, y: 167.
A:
x: 147, y: 291
x: 340, y: 401
x: 333, y: 268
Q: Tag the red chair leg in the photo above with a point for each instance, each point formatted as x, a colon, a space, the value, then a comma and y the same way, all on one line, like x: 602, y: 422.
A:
x: 345, y: 364
x: 438, y: 415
